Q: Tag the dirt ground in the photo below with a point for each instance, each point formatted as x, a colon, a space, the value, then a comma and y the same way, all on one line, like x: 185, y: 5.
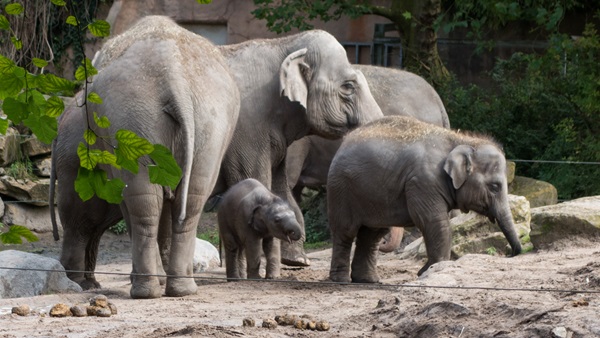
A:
x: 474, y: 296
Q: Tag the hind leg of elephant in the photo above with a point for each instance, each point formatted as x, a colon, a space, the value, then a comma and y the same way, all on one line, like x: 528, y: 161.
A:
x: 364, y: 263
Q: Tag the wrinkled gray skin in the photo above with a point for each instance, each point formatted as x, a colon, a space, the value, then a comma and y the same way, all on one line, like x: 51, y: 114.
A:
x: 173, y: 88
x: 397, y: 92
x: 398, y: 171
x: 252, y: 220
x: 290, y: 87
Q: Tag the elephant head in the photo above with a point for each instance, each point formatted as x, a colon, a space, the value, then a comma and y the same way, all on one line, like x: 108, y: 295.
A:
x: 276, y: 219
x: 336, y: 96
x: 479, y: 178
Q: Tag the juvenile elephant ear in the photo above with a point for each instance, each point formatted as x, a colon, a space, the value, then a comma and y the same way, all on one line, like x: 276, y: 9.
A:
x: 293, y: 77
x: 458, y: 164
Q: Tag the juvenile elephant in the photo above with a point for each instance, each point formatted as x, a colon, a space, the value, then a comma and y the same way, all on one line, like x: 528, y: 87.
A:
x: 397, y: 92
x: 251, y: 220
x: 398, y: 171
x: 173, y: 88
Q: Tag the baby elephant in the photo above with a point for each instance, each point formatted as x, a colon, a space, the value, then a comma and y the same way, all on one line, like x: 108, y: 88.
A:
x: 398, y: 171
x: 250, y: 216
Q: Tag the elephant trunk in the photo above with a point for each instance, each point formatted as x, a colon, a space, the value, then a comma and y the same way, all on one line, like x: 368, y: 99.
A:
x: 506, y: 224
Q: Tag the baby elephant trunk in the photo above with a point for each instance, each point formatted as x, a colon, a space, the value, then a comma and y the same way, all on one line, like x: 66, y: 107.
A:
x: 506, y: 224
x: 292, y: 230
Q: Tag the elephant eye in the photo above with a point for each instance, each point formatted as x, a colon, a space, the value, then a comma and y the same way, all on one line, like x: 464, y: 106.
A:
x: 495, y: 187
x: 348, y: 88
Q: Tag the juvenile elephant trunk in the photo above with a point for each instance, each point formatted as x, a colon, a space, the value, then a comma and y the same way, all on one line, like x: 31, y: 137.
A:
x: 506, y: 224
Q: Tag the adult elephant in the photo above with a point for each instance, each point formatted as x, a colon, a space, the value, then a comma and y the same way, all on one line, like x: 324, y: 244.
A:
x: 173, y: 88
x: 397, y: 92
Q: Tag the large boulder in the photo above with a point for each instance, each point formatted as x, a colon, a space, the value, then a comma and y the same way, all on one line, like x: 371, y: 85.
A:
x: 32, y: 147
x: 538, y: 193
x: 206, y: 256
x: 31, y: 191
x: 27, y: 279
x: 474, y: 233
x: 32, y: 217
x: 42, y: 167
x: 577, y: 220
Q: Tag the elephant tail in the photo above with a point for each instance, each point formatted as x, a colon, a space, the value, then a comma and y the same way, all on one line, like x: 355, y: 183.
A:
x: 185, y: 116
x: 52, y: 192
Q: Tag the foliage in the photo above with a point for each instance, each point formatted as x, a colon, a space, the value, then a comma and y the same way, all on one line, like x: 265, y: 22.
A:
x: 543, y: 107
x: 119, y: 228
x: 15, y: 234
x: 314, y: 209
x: 24, y: 102
x: 20, y: 170
x: 210, y: 235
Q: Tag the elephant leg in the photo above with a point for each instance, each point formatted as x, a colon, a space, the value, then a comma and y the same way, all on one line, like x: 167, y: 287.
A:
x: 272, y: 250
x: 183, y: 244
x: 253, y: 253
x: 391, y: 241
x: 292, y: 254
x: 164, y: 241
x: 364, y: 263
x: 232, y: 268
x: 340, y: 257
x: 73, y: 251
x: 438, y: 242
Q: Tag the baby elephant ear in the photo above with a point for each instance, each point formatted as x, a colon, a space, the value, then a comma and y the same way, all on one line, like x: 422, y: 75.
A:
x: 458, y: 164
x: 293, y: 77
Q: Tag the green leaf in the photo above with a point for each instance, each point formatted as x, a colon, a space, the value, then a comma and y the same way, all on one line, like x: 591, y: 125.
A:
x: 6, y: 65
x: 83, y: 184
x: 40, y: 63
x: 14, y: 109
x: 14, y: 9
x: 18, y: 43
x: 86, y: 159
x: 166, y: 171
x: 125, y: 163
x: 50, y: 83
x: 85, y: 70
x: 56, y: 106
x: 407, y: 15
x: 99, y: 28
x: 204, y: 2
x: 14, y: 234
x: 71, y: 20
x: 112, y: 191
x: 94, y: 98
x: 4, y: 24
x: 3, y: 125
x: 89, y: 136
x: 102, y: 122
x: 44, y: 127
x: 12, y: 84
x: 59, y: 2
x: 132, y: 146
x: 90, y: 182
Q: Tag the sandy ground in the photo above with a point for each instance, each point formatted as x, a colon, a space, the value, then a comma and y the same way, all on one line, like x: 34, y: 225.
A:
x: 468, y: 305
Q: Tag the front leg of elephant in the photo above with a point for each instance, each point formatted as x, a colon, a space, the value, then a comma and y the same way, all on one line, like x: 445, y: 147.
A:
x: 271, y: 248
x: 364, y: 263
x: 253, y: 253
x: 292, y: 254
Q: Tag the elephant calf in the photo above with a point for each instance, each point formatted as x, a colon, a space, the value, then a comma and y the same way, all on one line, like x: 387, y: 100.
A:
x: 398, y: 171
x: 250, y: 216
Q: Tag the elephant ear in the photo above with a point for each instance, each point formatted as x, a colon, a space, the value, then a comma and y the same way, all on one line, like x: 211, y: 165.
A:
x: 257, y: 223
x: 458, y: 164
x: 293, y: 77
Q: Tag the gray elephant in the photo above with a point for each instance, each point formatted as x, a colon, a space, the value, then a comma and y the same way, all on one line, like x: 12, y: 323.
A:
x: 397, y: 92
x: 289, y: 87
x: 173, y: 88
x: 398, y: 171
x: 252, y: 220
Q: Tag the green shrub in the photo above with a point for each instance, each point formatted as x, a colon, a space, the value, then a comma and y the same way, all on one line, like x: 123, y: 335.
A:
x: 210, y: 235
x: 119, y: 228
x: 314, y: 209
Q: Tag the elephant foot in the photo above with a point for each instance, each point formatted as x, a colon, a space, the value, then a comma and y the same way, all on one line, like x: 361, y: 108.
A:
x: 179, y: 287
x: 339, y: 277
x: 88, y: 284
x: 147, y: 290
x: 365, y: 279
x: 293, y: 254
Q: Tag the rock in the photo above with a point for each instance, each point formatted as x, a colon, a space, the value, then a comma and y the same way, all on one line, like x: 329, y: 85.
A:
x: 10, y: 150
x: 322, y: 325
x: 103, y: 312
x: 92, y: 310
x: 474, y: 233
x: 32, y: 217
x: 21, y: 310
x: 559, y: 332
x: 510, y: 171
x: 414, y: 250
x: 113, y: 308
x: 42, y: 167
x: 60, y: 310
x: 248, y: 322
x: 538, y: 193
x: 32, y: 147
x: 79, y: 311
x: 577, y: 220
x: 206, y: 256
x: 27, y: 283
x: 269, y: 323
x: 100, y: 301
x: 26, y: 190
